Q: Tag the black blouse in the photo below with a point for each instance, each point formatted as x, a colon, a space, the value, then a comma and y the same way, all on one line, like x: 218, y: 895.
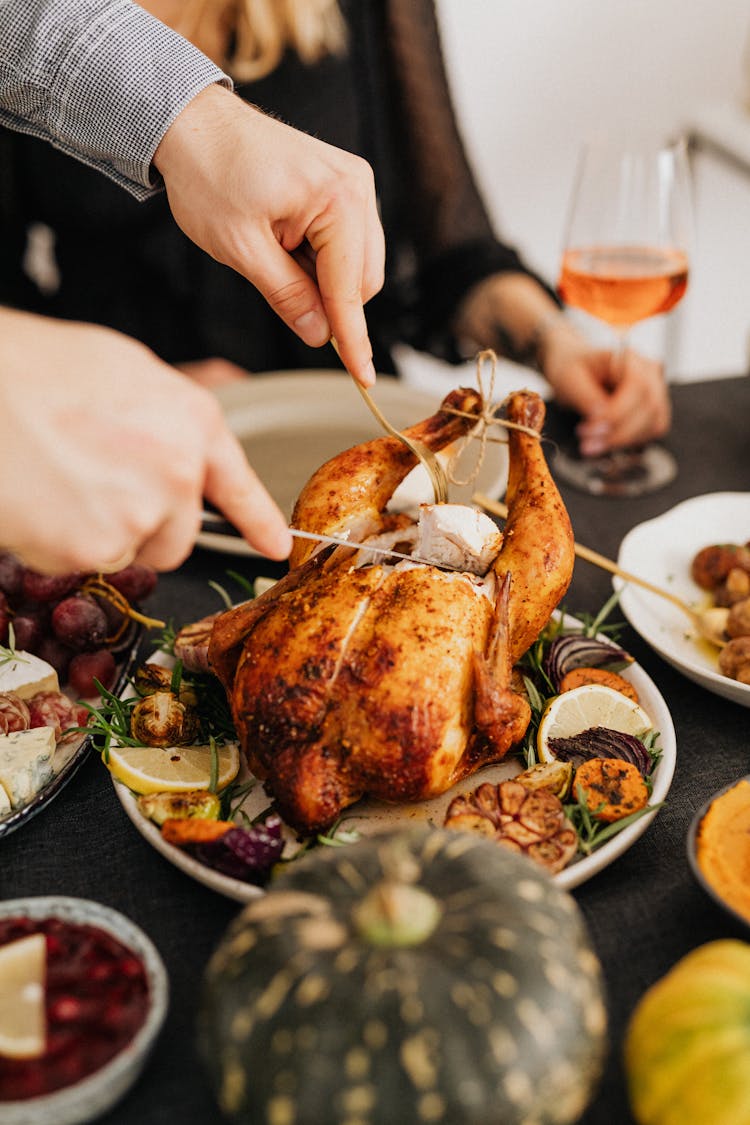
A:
x: 126, y: 263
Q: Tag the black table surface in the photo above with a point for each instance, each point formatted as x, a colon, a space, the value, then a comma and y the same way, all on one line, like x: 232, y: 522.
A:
x: 644, y: 912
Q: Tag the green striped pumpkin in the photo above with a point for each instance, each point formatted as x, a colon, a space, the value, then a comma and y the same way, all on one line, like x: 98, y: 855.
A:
x: 421, y: 977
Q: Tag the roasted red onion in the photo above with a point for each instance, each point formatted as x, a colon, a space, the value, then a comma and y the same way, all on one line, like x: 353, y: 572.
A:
x: 243, y: 853
x: 574, y: 650
x: 601, y: 742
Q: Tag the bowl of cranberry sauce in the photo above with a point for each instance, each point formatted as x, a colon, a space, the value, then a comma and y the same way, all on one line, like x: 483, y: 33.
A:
x: 101, y: 1004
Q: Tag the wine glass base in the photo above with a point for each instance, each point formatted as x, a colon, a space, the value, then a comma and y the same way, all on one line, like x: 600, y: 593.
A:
x: 622, y: 472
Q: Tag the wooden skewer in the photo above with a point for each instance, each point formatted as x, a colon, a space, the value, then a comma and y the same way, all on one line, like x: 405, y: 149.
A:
x: 497, y: 508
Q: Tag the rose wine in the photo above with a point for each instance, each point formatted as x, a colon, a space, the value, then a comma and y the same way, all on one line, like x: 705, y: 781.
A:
x: 623, y: 284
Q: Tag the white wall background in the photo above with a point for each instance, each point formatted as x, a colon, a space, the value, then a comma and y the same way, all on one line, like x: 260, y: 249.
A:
x: 532, y: 78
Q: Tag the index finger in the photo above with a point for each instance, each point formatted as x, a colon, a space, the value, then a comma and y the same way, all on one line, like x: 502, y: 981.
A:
x: 233, y: 486
x: 339, y: 271
x: 349, y: 267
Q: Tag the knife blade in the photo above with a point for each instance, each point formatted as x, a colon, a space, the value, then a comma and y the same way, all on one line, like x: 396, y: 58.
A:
x: 217, y: 524
x: 334, y: 541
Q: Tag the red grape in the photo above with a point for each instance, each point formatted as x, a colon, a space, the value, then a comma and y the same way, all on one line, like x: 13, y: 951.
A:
x: 48, y: 587
x: 134, y: 582
x: 85, y: 667
x: 114, y: 615
x: 11, y: 574
x: 79, y: 622
x: 55, y: 653
x: 28, y: 629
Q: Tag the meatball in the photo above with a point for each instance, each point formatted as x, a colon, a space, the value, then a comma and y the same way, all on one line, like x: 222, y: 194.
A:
x: 734, y: 659
x: 738, y: 620
x: 712, y: 565
x: 734, y: 588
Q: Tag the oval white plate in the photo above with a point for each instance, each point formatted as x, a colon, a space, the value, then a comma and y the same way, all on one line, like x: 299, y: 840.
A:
x: 290, y: 423
x: 376, y: 816
x: 662, y: 550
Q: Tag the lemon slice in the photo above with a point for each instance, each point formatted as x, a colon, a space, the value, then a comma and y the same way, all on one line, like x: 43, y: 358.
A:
x: 23, y: 1022
x: 591, y: 705
x: 174, y: 769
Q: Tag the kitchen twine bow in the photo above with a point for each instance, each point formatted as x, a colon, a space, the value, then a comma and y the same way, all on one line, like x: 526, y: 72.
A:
x: 486, y: 418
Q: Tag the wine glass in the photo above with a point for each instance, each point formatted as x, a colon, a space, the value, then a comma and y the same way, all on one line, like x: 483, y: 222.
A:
x: 625, y: 258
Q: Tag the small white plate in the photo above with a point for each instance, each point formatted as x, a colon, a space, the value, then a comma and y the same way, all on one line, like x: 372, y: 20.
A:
x: 291, y: 423
x: 368, y: 816
x: 661, y: 550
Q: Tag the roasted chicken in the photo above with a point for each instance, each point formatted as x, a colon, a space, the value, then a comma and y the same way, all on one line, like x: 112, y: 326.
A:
x: 353, y: 676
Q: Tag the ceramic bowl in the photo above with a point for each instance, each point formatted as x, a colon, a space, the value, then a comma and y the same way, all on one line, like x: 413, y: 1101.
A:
x: 692, y: 851
x: 92, y: 1096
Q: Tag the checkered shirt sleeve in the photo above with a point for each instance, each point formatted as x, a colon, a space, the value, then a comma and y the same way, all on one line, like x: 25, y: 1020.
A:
x: 102, y: 80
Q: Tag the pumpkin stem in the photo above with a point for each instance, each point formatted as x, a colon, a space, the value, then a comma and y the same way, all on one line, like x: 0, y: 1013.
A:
x: 396, y: 914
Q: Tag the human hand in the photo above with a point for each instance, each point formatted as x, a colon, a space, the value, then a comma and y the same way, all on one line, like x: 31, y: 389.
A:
x: 213, y: 372
x: 252, y: 191
x: 112, y: 452
x: 629, y: 406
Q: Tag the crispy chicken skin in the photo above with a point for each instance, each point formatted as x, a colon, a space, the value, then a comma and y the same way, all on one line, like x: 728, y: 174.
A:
x: 392, y: 681
x: 538, y: 547
x: 351, y: 491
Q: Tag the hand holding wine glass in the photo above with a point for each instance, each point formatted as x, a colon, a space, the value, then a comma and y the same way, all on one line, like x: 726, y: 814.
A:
x: 625, y: 259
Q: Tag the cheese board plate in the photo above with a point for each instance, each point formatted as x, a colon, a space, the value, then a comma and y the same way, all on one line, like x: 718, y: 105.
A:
x: 369, y: 816
x: 71, y: 750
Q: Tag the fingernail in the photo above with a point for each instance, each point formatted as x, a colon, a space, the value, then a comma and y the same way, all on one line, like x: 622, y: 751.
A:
x: 366, y: 375
x: 592, y: 446
x: 594, y: 429
x: 313, y: 328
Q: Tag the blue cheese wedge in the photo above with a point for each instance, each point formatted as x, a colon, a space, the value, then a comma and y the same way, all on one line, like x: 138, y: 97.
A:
x: 26, y: 674
x: 26, y: 762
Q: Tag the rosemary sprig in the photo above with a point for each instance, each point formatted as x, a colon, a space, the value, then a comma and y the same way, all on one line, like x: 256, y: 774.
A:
x: 592, y: 833
x: 8, y: 653
x: 213, y: 777
x: 167, y: 639
x: 233, y: 798
x: 338, y: 836
x: 598, y: 623
x: 110, y: 720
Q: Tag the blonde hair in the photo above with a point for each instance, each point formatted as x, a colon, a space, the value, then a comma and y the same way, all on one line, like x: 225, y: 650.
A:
x: 256, y: 33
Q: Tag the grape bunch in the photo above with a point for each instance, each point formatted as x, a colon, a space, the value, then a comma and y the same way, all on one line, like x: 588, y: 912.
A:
x: 72, y: 621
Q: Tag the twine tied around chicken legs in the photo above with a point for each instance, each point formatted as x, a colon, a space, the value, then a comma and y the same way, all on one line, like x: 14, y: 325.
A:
x: 486, y: 418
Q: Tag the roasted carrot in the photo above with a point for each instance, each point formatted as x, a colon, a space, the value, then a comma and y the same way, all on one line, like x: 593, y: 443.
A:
x: 612, y: 788
x: 194, y: 830
x: 578, y: 676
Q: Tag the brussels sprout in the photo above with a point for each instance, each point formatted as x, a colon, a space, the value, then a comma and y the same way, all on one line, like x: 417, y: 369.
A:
x: 161, y: 719
x: 150, y: 678
x: 556, y: 776
x: 179, y: 806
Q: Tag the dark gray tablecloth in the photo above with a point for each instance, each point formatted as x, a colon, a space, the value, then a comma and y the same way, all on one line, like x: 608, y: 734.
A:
x: 644, y: 912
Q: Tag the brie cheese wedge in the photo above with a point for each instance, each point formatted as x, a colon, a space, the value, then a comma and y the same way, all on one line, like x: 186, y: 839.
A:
x: 26, y: 674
